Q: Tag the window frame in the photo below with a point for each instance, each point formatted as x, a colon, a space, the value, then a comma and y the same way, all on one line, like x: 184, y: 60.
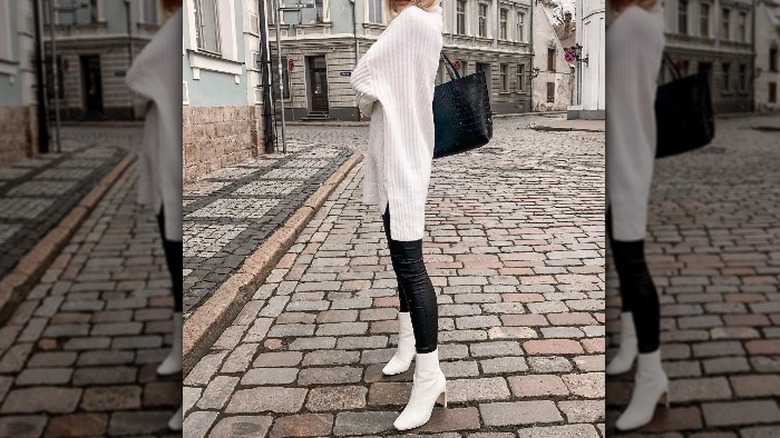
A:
x: 200, y: 26
x: 482, y: 20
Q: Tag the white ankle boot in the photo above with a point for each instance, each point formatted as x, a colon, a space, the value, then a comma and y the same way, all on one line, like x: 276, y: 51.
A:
x: 405, y: 352
x: 650, y: 385
x: 628, y: 350
x: 172, y: 363
x: 175, y: 423
x: 428, y: 387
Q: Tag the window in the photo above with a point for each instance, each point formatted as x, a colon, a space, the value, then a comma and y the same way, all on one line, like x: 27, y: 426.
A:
x: 773, y: 59
x: 520, y: 26
x: 772, y: 92
x: 461, y: 17
x: 551, y: 92
x: 150, y: 11
x: 520, y: 77
x: 6, y: 51
x: 93, y: 11
x: 726, y: 77
x: 502, y: 23
x: 375, y: 11
x: 318, y: 9
x: 705, y: 20
x: 682, y: 17
x: 550, y: 59
x: 743, y: 77
x: 484, y: 67
x: 463, y: 68
x: 725, y: 27
x: 504, y: 76
x: 285, y: 77
x: 206, y: 14
x: 483, y: 8
x: 743, y: 26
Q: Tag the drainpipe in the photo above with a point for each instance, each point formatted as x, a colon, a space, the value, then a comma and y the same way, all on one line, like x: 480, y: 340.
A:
x: 40, y: 88
x: 354, y: 34
x: 265, y: 63
x: 753, y: 58
x: 531, y: 72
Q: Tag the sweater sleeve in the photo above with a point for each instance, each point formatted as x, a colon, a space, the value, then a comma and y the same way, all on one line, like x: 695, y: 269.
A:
x: 361, y: 83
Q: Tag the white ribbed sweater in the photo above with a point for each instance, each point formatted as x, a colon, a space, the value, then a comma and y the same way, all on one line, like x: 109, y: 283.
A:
x: 635, y: 43
x: 156, y: 76
x: 394, y: 82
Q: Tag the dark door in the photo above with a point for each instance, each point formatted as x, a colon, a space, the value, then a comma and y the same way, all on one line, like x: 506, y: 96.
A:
x: 93, y: 85
x: 318, y: 79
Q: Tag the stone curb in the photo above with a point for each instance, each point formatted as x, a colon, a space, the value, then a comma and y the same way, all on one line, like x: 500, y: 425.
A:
x: 208, y: 321
x: 562, y: 129
x: 17, y: 283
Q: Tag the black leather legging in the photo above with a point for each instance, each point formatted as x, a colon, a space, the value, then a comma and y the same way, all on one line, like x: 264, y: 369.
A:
x: 174, y: 258
x: 637, y: 291
x: 415, y: 289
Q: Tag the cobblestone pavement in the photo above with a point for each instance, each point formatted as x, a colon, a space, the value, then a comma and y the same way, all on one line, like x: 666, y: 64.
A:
x: 231, y: 211
x: 515, y: 249
x: 79, y: 355
x: 714, y: 252
x: 37, y: 193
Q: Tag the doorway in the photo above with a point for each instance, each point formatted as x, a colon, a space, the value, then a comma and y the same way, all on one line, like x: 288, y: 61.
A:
x: 92, y: 85
x: 318, y: 82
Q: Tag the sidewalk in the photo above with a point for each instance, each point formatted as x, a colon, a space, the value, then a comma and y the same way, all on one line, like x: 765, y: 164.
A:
x: 78, y: 356
x: 713, y: 250
x: 515, y: 253
x: 38, y: 194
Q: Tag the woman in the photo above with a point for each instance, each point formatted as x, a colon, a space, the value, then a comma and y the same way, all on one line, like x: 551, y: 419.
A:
x: 635, y: 44
x: 155, y: 76
x: 394, y: 82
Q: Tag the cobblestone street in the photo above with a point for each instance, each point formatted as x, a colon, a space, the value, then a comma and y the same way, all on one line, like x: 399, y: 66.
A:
x: 78, y: 356
x: 515, y: 249
x: 714, y: 253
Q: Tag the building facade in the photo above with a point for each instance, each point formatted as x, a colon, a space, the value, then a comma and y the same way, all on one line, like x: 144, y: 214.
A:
x: 321, y: 43
x: 222, y: 93
x: 767, y: 88
x: 716, y: 37
x: 18, y: 121
x: 590, y: 80
x: 96, y: 41
x: 553, y: 74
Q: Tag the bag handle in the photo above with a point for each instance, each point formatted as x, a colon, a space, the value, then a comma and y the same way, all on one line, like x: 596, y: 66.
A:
x: 676, y: 74
x: 450, y: 67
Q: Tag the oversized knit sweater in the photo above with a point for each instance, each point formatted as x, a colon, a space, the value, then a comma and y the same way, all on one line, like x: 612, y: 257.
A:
x: 156, y: 77
x: 394, y: 82
x: 635, y: 44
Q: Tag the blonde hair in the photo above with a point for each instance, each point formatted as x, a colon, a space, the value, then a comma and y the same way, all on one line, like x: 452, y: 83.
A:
x: 390, y: 13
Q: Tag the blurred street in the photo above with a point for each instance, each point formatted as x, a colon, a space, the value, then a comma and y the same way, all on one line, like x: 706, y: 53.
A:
x: 714, y: 253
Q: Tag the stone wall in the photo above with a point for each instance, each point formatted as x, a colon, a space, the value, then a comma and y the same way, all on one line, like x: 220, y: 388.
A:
x: 218, y: 137
x: 18, y: 133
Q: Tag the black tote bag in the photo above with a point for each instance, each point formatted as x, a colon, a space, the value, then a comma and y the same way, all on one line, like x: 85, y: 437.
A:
x: 683, y: 111
x: 461, y: 113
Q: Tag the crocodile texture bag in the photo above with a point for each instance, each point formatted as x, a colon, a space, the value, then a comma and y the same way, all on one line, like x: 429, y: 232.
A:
x: 683, y: 112
x: 461, y: 112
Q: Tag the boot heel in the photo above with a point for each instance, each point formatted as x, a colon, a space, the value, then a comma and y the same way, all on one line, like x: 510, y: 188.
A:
x: 443, y: 399
x: 666, y: 398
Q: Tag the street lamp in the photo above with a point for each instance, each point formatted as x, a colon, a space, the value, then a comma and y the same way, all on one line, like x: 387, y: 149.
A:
x: 279, y: 9
x: 578, y: 54
x: 55, y: 65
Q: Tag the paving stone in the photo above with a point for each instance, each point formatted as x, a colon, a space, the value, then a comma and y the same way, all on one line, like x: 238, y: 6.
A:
x: 111, y: 398
x: 269, y: 376
x: 218, y: 392
x: 583, y: 411
x: 519, y: 413
x: 567, y: 431
x: 747, y: 413
x: 240, y: 358
x: 329, y: 376
x: 278, y: 359
x: 198, y: 423
x: 55, y: 400
x: 363, y: 423
x: 588, y: 385
x: 104, y: 375
x: 302, y: 425
x: 22, y: 425
x: 78, y: 425
x: 538, y: 385
x: 44, y: 376
x: 491, y: 388
x: 336, y: 399
x: 243, y: 426
x: 273, y: 399
x: 205, y: 368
